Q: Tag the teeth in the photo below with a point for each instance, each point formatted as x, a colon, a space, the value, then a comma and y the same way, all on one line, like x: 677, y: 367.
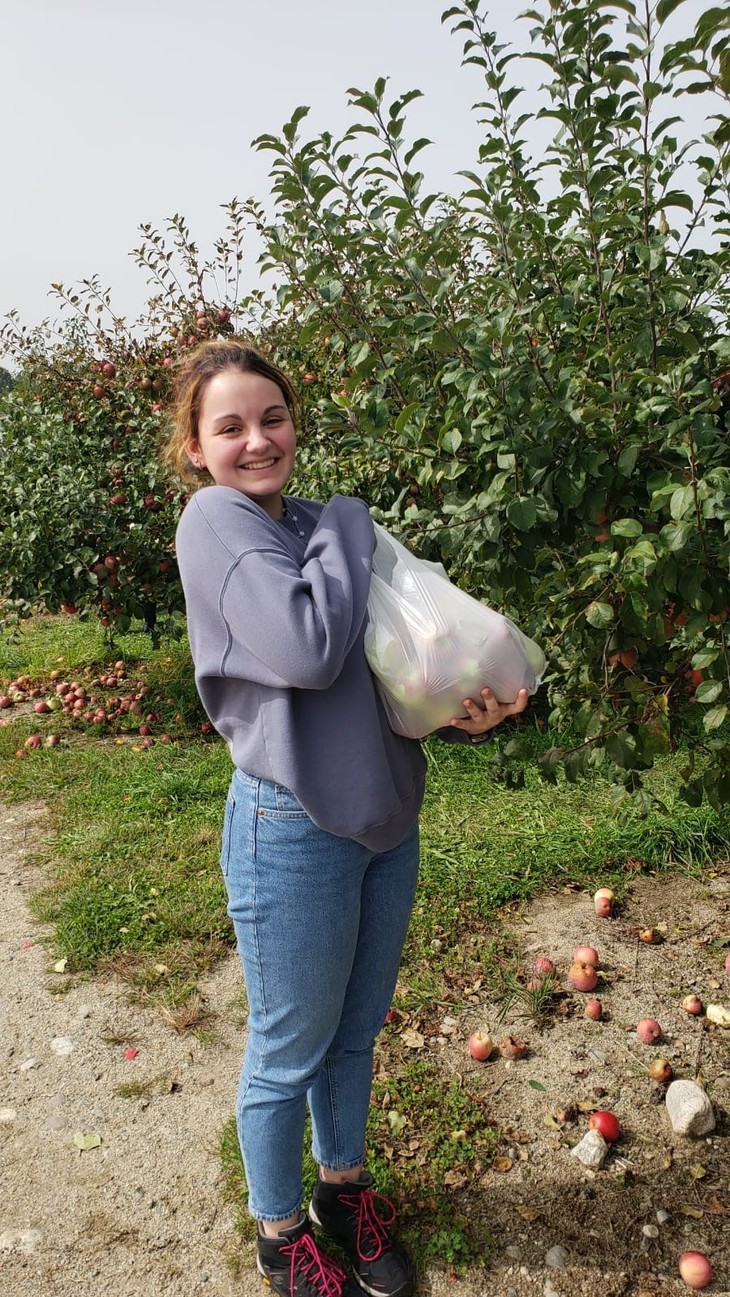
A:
x: 264, y: 463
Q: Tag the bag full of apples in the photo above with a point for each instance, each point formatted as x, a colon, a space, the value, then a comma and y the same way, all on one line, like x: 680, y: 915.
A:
x: 430, y: 645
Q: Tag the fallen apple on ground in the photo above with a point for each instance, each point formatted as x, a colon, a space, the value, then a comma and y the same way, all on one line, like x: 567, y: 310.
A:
x: 649, y: 1031
x: 607, y: 1124
x: 586, y: 955
x: 660, y: 1069
x: 480, y: 1045
x: 695, y: 1269
x: 582, y: 977
x: 603, y: 902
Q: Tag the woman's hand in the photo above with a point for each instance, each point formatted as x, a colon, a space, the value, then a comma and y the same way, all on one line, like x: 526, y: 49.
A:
x: 484, y: 717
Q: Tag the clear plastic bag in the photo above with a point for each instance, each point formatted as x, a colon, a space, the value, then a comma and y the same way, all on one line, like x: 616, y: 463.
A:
x: 430, y: 645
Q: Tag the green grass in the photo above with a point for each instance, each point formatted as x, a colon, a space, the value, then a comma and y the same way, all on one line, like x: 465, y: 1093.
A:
x: 131, y: 854
x: 40, y: 644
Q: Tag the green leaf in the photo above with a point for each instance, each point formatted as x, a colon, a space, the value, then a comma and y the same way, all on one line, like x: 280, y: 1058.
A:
x: 85, y: 1142
x: 665, y: 8
x: 708, y: 691
x: 522, y: 513
x: 676, y: 534
x: 682, y: 500
x: 627, y: 460
x: 289, y: 131
x: 629, y: 527
x: 358, y: 354
x: 677, y: 199
x: 704, y: 658
x: 331, y: 290
x: 451, y: 439
x: 715, y: 718
x: 536, y: 1085
x: 599, y: 614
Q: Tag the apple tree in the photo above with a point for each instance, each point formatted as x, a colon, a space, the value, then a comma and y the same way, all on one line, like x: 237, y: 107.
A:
x: 88, y: 512
x: 530, y: 379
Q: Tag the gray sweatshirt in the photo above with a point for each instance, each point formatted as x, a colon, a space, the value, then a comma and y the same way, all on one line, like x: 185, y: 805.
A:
x: 276, y: 622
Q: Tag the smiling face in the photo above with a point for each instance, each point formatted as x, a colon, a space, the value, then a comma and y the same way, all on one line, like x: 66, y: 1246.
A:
x: 246, y: 437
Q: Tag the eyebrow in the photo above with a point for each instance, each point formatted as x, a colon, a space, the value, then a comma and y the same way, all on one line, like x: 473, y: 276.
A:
x: 223, y: 418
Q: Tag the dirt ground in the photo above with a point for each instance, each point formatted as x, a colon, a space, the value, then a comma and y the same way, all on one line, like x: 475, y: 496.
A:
x: 139, y: 1213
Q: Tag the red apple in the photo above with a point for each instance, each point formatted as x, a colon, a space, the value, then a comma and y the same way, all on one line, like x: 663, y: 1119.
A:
x: 649, y: 1031
x: 594, y: 1010
x: 586, y: 955
x: 543, y: 965
x: 692, y: 1004
x: 695, y: 1269
x: 603, y: 902
x: 583, y: 977
x: 606, y: 1123
x: 480, y: 1045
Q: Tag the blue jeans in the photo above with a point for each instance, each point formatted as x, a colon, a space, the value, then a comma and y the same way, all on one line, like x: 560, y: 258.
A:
x: 320, y: 922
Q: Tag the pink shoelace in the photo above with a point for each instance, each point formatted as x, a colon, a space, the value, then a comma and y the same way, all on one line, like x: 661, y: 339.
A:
x: 319, y: 1269
x: 370, y: 1224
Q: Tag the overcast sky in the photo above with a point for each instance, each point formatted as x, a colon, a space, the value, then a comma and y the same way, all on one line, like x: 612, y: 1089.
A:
x: 118, y: 112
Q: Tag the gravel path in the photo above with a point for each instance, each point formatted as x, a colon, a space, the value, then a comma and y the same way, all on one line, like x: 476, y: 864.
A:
x: 141, y: 1213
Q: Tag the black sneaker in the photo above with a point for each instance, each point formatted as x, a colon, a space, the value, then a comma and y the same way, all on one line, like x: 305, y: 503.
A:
x: 293, y: 1265
x: 357, y: 1219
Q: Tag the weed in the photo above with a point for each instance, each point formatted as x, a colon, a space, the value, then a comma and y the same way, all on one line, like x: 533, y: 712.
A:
x: 193, y: 1012
x: 534, y: 999
x: 113, y: 1036
x: 142, y: 1089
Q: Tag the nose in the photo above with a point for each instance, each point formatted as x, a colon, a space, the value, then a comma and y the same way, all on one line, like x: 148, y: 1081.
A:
x: 257, y: 438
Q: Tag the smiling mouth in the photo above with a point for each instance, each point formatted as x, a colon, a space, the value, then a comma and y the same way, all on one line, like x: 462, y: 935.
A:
x: 263, y: 463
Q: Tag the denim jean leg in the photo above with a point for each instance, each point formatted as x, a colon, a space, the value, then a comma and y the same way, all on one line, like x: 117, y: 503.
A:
x: 295, y: 900
x: 339, y: 1097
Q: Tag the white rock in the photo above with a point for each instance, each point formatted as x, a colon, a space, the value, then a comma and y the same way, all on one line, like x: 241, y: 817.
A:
x: 556, y: 1257
x: 62, y: 1046
x: 7, y: 1115
x: 689, y: 1109
x: 718, y: 1014
x: 28, y: 1064
x: 24, y: 1240
x: 592, y: 1150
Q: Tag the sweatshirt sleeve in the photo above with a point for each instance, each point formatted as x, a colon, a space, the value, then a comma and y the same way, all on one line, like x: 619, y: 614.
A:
x: 293, y: 621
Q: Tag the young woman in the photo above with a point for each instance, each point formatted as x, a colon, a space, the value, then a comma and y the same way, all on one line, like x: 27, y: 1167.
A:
x: 320, y: 839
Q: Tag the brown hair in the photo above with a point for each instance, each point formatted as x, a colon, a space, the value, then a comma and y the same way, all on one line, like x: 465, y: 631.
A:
x: 191, y: 380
